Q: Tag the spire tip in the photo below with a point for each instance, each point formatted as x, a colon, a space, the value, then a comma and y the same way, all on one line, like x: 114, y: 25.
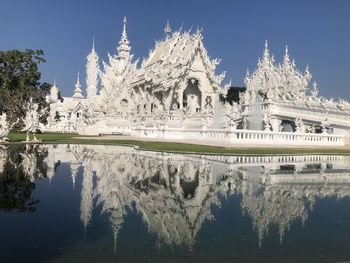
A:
x: 167, y: 28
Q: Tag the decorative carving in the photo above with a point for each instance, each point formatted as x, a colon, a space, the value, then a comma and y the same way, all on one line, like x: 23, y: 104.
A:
x: 266, y: 120
x: 31, y: 120
x: 324, y: 125
x: 4, y: 128
x: 284, y: 81
x: 245, y: 123
x: 299, y: 125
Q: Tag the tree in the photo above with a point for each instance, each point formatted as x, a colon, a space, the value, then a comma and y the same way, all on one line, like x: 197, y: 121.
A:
x: 233, y: 94
x: 20, y: 81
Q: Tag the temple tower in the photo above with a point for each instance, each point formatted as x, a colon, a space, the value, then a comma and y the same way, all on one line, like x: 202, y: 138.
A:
x: 92, y: 73
x: 124, y: 48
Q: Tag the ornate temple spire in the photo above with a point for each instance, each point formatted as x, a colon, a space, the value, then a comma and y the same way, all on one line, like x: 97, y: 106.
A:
x: 286, y: 54
x: 266, y: 61
x: 124, y: 48
x: 286, y: 63
x: 307, y: 74
x: 54, y: 91
x: 167, y: 29
x: 266, y: 50
x: 77, y: 91
x: 92, y: 73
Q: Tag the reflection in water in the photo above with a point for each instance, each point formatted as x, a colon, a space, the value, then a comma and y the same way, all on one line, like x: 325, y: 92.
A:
x: 175, y: 193
x: 20, y: 166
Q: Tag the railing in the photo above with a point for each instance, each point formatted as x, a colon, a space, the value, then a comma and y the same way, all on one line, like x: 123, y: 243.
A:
x: 249, y: 137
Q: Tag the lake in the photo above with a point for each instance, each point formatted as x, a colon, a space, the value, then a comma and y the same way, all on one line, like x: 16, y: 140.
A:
x: 95, y: 203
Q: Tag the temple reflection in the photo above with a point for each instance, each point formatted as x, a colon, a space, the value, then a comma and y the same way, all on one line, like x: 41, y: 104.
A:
x: 174, y: 193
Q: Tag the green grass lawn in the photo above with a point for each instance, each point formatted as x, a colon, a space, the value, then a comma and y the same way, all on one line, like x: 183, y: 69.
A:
x: 177, y: 147
x: 45, y: 137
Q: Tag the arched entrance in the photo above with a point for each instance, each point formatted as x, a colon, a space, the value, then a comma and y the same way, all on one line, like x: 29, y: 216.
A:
x: 192, y: 97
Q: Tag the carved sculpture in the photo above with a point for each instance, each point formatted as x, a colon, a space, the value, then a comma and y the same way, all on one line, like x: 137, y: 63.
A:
x: 266, y: 120
x: 31, y: 120
x: 324, y: 125
x: 299, y: 125
x: 245, y: 123
x: 4, y: 128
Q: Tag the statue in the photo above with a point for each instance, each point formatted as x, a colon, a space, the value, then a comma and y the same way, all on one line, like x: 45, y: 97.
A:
x: 245, y: 123
x: 4, y: 128
x: 299, y: 125
x: 193, y: 103
x: 266, y: 120
x: 324, y: 125
x: 31, y: 120
x: 281, y: 127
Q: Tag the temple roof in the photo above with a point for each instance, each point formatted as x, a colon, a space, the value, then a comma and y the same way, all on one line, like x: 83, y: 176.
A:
x: 172, y: 57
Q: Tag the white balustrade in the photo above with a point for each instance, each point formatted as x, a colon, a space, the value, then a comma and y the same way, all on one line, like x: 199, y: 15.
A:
x: 241, y: 137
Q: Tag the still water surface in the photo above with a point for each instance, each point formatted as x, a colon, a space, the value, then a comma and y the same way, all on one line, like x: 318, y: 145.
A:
x: 84, y: 203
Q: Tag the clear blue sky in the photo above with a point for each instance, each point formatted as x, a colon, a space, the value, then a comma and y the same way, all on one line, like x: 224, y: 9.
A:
x: 317, y: 33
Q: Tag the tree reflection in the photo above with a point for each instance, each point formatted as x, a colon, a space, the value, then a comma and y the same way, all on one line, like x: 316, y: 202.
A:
x: 20, y: 166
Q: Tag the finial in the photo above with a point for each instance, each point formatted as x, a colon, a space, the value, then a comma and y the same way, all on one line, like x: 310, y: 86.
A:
x: 124, y: 49
x: 286, y: 60
x: 167, y: 29
x: 124, y: 35
x: 124, y: 24
x: 78, y: 80
x: 266, y: 50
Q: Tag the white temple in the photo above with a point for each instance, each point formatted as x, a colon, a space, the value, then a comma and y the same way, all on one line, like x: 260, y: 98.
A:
x: 175, y: 95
